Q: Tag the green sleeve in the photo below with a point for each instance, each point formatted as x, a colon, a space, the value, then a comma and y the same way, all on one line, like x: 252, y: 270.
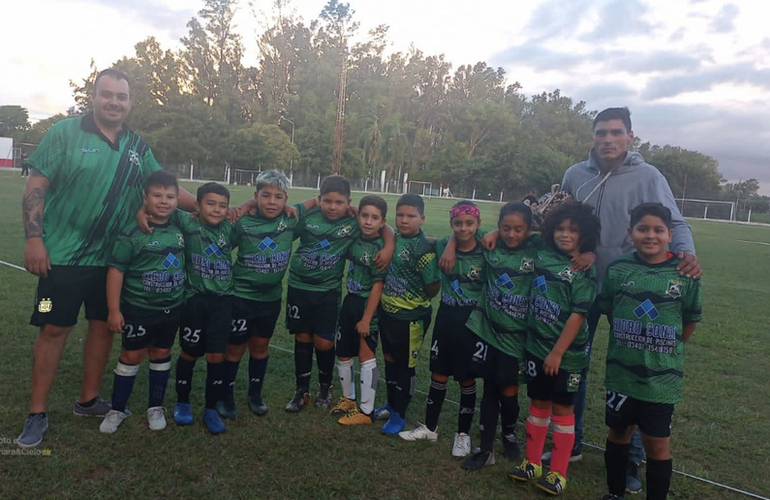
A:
x: 48, y: 158
x: 608, y: 291
x: 301, y: 215
x: 584, y: 291
x: 692, y: 311
x: 149, y: 164
x: 236, y: 234
x: 427, y: 267
x: 122, y: 252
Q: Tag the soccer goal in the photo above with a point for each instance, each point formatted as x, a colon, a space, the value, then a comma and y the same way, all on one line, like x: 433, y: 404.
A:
x: 247, y: 177
x: 421, y: 188
x: 706, y: 209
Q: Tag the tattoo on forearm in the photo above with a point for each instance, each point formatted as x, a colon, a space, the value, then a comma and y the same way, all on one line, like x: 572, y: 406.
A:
x: 32, y: 210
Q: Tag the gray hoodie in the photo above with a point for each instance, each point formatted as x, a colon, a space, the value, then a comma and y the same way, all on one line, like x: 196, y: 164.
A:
x: 630, y: 184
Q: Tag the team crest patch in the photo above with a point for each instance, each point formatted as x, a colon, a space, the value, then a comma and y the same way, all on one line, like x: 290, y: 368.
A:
x: 180, y: 239
x: 674, y: 289
x: 527, y: 265
x: 133, y: 157
x: 345, y: 230
x: 281, y: 226
x: 474, y: 273
x: 365, y: 258
x: 567, y: 274
x: 415, y: 354
x: 221, y: 242
x: 574, y: 380
x: 45, y: 305
x: 404, y: 254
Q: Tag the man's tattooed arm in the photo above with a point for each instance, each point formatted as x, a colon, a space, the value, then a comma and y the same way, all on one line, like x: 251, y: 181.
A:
x: 33, y: 202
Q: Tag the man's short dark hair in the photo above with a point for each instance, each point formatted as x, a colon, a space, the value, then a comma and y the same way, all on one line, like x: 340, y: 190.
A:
x: 161, y: 178
x: 622, y: 114
x: 113, y: 72
x: 212, y: 187
x: 412, y: 200
x: 374, y: 201
x: 655, y: 209
x: 336, y: 184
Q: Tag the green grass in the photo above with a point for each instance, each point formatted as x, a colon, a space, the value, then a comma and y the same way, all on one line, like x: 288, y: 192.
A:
x: 718, y: 431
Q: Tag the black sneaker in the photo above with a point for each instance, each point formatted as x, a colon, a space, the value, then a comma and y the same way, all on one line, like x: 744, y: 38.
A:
x: 300, y: 399
x: 226, y: 409
x: 511, y: 449
x: 479, y: 460
x: 323, y: 399
x: 610, y: 496
x: 633, y: 478
x: 257, y: 406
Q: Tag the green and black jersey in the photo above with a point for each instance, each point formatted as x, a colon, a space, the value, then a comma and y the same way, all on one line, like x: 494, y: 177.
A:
x: 462, y: 287
x: 647, y: 305
x: 264, y: 251
x: 95, y: 191
x: 319, y: 262
x: 153, y: 266
x: 500, y: 318
x: 208, y: 251
x: 556, y: 293
x: 413, y: 267
x: 361, y: 271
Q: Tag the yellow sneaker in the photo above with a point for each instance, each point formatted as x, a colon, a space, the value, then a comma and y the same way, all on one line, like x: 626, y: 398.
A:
x: 355, y: 417
x: 343, y: 406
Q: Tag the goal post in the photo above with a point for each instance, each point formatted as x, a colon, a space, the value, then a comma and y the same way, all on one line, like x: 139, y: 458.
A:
x: 421, y: 188
x: 706, y: 209
x: 241, y: 176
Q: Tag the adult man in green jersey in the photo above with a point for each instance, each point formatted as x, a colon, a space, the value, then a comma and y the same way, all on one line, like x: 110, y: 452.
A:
x: 85, y: 184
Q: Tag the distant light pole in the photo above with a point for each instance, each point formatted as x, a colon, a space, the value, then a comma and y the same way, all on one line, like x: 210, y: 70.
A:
x: 291, y: 161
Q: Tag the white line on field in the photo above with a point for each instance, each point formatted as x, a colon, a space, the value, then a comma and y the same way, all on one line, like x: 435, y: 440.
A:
x: 755, y: 242
x: 12, y: 265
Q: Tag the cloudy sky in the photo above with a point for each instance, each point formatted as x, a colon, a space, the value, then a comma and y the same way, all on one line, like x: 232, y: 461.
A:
x: 695, y: 73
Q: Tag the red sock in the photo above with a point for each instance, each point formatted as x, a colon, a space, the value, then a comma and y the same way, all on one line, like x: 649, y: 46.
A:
x: 537, y: 429
x: 563, y: 440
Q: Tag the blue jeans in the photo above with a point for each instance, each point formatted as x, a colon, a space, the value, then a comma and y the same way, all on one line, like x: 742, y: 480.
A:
x: 636, y: 451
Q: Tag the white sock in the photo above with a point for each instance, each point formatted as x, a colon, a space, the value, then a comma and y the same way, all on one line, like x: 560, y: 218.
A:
x: 369, y: 376
x: 345, y: 374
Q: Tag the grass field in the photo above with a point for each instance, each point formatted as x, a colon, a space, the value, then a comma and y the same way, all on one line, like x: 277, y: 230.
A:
x: 719, y: 431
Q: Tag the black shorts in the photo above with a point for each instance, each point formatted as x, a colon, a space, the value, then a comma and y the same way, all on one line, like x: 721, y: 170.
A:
x: 496, y: 366
x: 560, y: 389
x: 312, y: 312
x: 402, y: 338
x: 454, y: 350
x: 653, y: 419
x: 206, y: 324
x: 252, y: 318
x: 60, y: 295
x: 348, y: 338
x: 147, y: 328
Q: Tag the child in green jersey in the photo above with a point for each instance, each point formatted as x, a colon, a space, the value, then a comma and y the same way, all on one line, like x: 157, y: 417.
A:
x: 556, y: 340
x: 326, y: 233
x: 454, y: 350
x: 207, y: 314
x: 358, y: 330
x: 145, y: 291
x: 653, y: 312
x: 413, y: 279
x: 264, y: 242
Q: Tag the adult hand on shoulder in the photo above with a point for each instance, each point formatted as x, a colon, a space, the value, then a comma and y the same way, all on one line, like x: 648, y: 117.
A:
x: 290, y: 211
x: 489, y: 240
x: 352, y: 211
x: 143, y: 220
x: 36, y: 258
x: 690, y: 265
x: 583, y: 261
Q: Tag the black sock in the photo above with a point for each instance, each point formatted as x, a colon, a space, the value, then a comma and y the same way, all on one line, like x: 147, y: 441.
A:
x: 88, y: 403
x: 184, y: 376
x: 509, y: 414
x: 658, y: 478
x: 616, y: 463
x: 214, y: 384
x: 257, y: 371
x: 490, y: 408
x: 404, y: 389
x: 467, y: 408
x: 391, y: 373
x: 436, y: 395
x: 229, y: 372
x: 325, y: 362
x: 303, y: 364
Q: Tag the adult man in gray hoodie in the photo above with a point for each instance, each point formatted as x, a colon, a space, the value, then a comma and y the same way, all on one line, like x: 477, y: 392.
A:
x: 614, y: 180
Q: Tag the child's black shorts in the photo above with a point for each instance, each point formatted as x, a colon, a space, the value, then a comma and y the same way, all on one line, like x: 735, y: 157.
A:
x: 206, y: 324
x: 252, y: 318
x: 348, y: 338
x: 402, y: 338
x: 146, y: 328
x: 560, y: 389
x: 312, y: 312
x: 653, y: 419
x: 455, y: 350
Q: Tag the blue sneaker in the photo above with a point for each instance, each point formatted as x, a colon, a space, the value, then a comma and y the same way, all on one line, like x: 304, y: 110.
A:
x: 183, y: 414
x: 394, y: 425
x: 382, y: 413
x: 213, y: 422
x: 633, y: 478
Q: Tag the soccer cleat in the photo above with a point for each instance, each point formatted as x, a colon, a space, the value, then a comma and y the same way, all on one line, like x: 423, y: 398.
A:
x: 34, y: 428
x: 183, y: 414
x: 419, y: 433
x: 462, y: 445
x: 610, y: 496
x: 394, y: 425
x: 257, y: 406
x: 226, y: 409
x: 575, y: 456
x: 553, y: 483
x: 301, y: 398
x: 526, y: 471
x: 478, y: 460
x: 156, y: 418
x: 213, y: 422
x: 111, y: 421
x: 511, y: 450
x: 383, y: 412
x: 343, y: 406
x: 633, y: 478
x: 323, y: 398
x: 355, y: 417
x: 100, y: 408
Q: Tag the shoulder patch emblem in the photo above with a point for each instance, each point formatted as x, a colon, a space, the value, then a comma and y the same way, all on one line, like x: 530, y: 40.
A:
x: 281, y: 226
x: 180, y: 239
x: 567, y: 274
x: 674, y: 289
x: 404, y: 254
x: 527, y: 265
x: 365, y: 258
x: 133, y: 157
x: 474, y: 273
x: 345, y: 230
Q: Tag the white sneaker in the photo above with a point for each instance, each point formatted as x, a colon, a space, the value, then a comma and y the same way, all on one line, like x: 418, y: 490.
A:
x: 112, y: 421
x: 462, y: 446
x: 418, y: 433
x: 156, y: 418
